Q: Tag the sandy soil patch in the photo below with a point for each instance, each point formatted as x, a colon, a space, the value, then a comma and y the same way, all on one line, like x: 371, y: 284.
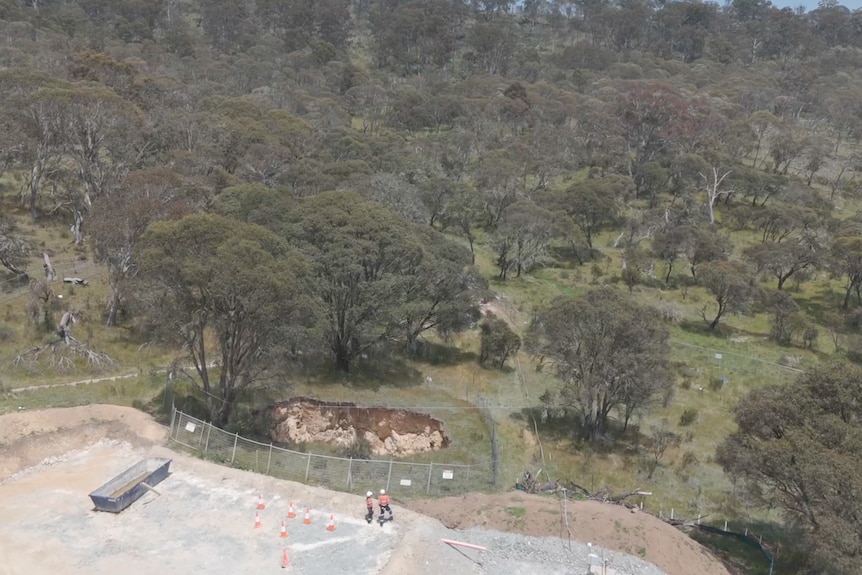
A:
x: 611, y: 526
x: 28, y: 437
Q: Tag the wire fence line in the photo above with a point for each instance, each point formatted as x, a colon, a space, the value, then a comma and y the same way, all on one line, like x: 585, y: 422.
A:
x: 399, y: 478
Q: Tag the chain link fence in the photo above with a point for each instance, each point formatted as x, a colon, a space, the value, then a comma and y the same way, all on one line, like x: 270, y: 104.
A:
x: 399, y: 478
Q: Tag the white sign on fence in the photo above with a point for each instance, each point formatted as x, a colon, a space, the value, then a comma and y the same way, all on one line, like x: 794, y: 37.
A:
x: 190, y: 427
x: 718, y: 356
x: 448, y: 474
x: 406, y: 482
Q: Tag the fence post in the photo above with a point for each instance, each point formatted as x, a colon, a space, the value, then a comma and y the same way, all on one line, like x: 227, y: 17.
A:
x: 173, y: 416
x: 389, y: 477
x: 430, y: 469
x: 235, y: 440
x: 349, y: 471
x: 467, y: 486
x: 209, y: 429
x: 495, y: 459
x: 269, y: 460
x: 307, y: 465
x: 201, y: 440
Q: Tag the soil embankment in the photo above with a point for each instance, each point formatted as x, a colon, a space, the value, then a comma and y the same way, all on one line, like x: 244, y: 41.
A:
x: 392, y: 432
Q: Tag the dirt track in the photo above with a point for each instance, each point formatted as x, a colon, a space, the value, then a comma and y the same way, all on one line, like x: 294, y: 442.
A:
x: 204, y: 520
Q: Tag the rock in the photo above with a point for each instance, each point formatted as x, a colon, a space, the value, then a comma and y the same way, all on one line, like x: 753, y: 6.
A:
x: 789, y: 360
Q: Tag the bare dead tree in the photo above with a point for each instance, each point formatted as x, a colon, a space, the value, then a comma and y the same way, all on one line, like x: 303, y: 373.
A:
x: 60, y: 355
x: 712, y: 183
x: 50, y: 273
x: 41, y: 305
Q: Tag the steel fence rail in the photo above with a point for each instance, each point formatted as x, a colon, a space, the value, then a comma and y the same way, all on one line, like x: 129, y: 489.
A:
x: 399, y: 478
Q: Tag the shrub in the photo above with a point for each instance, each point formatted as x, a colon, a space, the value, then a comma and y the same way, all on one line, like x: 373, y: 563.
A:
x: 670, y: 312
x: 7, y: 332
x: 688, y: 417
x: 360, y: 448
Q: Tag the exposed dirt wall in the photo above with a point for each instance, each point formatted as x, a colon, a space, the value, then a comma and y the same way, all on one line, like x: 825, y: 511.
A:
x: 388, y: 431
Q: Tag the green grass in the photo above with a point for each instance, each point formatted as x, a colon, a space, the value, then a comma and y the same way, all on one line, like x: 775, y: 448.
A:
x: 747, y: 362
x: 135, y: 392
x: 516, y: 512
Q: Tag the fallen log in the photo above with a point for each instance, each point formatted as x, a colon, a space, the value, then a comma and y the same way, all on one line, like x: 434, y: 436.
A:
x: 623, y: 496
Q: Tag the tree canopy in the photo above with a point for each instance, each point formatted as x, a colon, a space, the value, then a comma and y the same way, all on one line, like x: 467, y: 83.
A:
x: 208, y: 274
x: 797, y: 449
x: 610, y: 353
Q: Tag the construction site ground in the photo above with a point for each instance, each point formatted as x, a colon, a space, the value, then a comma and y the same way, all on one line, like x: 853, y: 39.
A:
x: 203, y: 517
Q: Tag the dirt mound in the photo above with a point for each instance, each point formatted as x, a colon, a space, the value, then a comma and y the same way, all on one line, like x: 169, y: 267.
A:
x: 610, y: 526
x: 388, y: 431
x: 29, y: 437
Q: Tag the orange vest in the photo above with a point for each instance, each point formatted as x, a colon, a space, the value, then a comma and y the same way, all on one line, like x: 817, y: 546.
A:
x: 384, y: 500
x: 369, y: 502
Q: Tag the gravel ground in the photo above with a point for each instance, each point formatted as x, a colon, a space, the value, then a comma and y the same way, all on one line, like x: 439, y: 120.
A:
x: 199, y: 523
x: 203, y: 521
x: 510, y: 554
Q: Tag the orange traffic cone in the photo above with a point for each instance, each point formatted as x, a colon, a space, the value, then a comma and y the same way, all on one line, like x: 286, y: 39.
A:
x: 283, y: 529
x: 256, y: 519
x: 307, y: 519
x: 260, y: 504
x: 290, y: 512
x: 285, y: 561
x: 331, y: 526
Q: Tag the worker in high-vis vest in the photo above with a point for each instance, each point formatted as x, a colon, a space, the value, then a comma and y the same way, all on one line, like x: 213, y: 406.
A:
x: 369, y: 504
x: 383, y: 502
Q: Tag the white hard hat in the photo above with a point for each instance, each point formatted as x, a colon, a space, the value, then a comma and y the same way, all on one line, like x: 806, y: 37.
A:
x: 369, y: 494
x: 382, y: 492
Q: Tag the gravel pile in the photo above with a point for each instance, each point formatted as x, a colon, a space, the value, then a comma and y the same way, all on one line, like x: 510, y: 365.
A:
x: 510, y: 554
x: 507, y: 554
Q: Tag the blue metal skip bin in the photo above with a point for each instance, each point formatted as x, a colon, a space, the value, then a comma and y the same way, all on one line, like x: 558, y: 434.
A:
x: 130, y: 485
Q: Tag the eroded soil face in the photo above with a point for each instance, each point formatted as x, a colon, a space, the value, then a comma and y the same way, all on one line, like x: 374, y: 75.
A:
x: 389, y: 431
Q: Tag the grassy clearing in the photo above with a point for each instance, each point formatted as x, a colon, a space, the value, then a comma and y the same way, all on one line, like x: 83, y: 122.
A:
x: 687, y: 479
x: 136, y: 392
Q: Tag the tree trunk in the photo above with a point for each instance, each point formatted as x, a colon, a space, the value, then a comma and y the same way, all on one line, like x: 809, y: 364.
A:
x: 77, y: 228
x: 342, y: 360
x: 35, y: 181
x: 113, y: 307
x: 667, y: 275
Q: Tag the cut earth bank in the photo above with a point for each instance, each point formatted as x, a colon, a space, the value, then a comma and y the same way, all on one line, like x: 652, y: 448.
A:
x: 203, y: 521
x: 394, y: 432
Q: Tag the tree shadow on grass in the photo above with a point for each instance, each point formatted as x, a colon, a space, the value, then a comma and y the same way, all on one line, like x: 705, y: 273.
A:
x: 438, y: 354
x: 739, y: 548
x: 372, y: 373
x: 616, y: 440
x: 818, y: 308
x: 721, y: 331
x: 10, y: 282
